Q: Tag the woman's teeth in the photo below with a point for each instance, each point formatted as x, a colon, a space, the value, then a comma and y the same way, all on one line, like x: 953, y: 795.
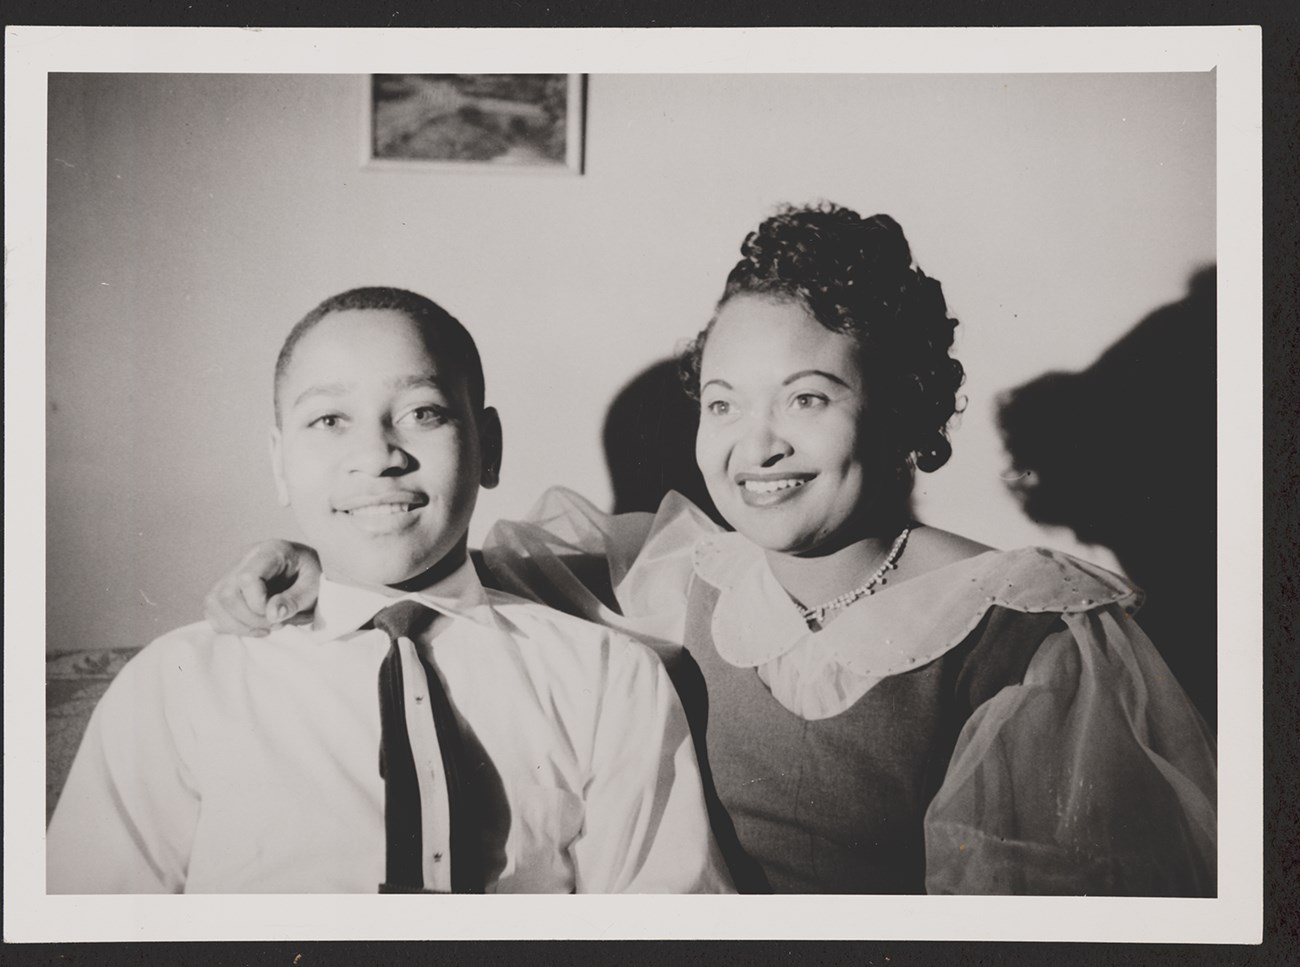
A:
x: 771, y: 486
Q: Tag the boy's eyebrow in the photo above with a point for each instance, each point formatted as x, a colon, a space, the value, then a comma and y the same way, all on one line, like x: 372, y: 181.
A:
x: 339, y: 389
x: 321, y: 389
x: 793, y: 377
x: 422, y: 379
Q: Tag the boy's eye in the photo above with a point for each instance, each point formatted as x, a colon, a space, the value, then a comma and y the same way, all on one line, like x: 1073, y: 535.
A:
x: 329, y: 421
x: 426, y: 416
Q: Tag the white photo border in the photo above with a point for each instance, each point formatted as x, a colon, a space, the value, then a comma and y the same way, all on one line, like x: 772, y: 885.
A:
x: 1234, y: 53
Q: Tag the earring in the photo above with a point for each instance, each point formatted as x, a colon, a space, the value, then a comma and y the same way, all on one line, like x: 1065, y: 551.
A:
x: 928, y: 460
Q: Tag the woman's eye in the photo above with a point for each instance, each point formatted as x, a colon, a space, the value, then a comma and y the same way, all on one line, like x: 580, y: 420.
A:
x: 808, y: 401
x: 719, y: 407
x: 330, y: 421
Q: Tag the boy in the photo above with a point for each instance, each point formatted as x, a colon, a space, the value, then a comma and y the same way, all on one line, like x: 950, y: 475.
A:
x: 510, y: 748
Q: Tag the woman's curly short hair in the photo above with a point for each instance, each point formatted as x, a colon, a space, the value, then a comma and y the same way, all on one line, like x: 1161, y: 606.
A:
x: 855, y: 276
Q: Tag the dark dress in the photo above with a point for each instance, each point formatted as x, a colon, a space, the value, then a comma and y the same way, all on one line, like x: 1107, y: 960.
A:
x: 1000, y: 725
x: 836, y: 805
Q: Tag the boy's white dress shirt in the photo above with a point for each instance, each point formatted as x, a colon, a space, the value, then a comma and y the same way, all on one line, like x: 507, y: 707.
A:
x: 223, y: 764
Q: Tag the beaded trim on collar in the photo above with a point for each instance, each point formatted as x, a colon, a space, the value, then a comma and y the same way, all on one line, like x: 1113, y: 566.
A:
x: 904, y: 625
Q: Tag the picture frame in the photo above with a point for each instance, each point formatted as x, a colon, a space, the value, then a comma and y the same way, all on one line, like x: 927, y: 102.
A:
x: 520, y: 123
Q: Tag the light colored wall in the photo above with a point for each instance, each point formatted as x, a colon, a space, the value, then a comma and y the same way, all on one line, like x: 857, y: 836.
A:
x: 193, y: 219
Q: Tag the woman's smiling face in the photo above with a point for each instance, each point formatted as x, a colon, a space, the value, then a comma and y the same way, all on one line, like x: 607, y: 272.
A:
x: 782, y: 405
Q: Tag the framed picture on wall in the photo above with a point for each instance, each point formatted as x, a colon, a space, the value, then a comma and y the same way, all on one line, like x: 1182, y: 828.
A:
x: 501, y: 122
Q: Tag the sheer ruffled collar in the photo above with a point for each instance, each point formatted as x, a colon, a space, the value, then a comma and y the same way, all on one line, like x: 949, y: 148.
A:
x: 901, y: 626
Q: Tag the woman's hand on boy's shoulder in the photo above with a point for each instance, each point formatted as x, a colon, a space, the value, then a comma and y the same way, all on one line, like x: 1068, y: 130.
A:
x: 273, y: 582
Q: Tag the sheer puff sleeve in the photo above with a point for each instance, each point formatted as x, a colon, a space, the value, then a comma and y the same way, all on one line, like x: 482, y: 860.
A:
x: 1093, y: 775
x: 625, y: 571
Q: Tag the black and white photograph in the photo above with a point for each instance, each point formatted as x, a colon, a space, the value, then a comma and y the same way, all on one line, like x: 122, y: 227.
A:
x: 830, y: 499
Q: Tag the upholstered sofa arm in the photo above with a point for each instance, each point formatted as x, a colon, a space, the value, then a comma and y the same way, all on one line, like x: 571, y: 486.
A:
x: 74, y: 683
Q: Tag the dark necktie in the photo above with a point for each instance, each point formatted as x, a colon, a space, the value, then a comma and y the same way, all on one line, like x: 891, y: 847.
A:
x: 402, y: 804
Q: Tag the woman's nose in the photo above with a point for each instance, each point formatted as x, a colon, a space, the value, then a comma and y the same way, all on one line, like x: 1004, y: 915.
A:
x: 763, y: 443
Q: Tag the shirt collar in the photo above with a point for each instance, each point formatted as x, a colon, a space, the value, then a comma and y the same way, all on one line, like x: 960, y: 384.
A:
x: 341, y: 608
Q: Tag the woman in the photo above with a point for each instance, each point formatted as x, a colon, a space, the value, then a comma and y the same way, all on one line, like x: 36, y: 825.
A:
x: 887, y: 707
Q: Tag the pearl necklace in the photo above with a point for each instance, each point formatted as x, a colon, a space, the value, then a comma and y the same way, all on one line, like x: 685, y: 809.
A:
x: 818, y: 614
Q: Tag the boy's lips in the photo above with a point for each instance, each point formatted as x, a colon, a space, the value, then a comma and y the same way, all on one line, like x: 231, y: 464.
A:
x: 379, y: 506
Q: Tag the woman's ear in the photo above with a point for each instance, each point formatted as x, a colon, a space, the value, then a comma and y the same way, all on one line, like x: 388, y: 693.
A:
x: 277, y: 466
x: 490, y: 444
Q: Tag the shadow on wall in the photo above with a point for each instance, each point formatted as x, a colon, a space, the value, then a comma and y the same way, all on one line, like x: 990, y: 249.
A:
x: 650, y: 442
x: 1123, y: 453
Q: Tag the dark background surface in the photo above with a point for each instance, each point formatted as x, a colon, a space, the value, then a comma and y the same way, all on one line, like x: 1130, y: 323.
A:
x: 1281, y: 552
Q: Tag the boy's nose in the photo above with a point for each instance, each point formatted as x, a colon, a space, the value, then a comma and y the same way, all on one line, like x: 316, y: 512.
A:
x: 378, y: 452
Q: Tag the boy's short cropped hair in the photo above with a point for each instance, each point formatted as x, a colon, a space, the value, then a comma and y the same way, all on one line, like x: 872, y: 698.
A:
x: 442, y: 333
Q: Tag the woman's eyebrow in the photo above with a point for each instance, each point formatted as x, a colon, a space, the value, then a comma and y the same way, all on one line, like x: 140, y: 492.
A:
x: 793, y: 377
x: 717, y: 382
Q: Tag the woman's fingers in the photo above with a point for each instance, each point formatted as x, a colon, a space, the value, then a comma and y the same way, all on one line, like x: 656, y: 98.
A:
x: 238, y: 603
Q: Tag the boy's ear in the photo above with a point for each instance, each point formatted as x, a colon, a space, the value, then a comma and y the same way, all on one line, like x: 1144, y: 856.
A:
x: 277, y: 467
x: 490, y: 443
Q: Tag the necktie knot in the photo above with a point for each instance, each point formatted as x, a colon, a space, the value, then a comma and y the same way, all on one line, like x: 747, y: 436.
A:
x: 405, y: 619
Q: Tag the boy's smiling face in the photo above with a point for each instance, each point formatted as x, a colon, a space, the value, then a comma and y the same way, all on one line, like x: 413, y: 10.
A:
x: 379, y: 450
